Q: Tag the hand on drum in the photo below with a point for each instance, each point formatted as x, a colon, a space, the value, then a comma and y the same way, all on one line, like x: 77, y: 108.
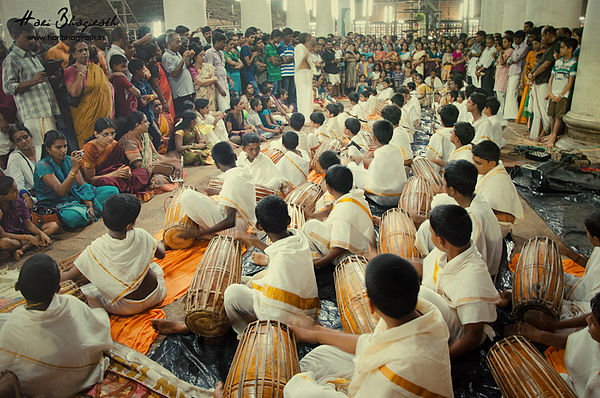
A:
x: 243, y: 237
x: 305, y: 329
x: 218, y: 393
x: 188, y: 233
x: 505, y: 299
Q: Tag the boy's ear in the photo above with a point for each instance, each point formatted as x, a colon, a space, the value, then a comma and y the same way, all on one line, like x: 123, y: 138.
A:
x: 259, y: 227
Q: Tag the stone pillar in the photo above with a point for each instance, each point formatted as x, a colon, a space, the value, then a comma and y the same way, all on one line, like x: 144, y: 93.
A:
x: 190, y: 13
x: 257, y: 13
x: 324, y: 18
x: 513, y: 15
x: 48, y: 10
x: 484, y: 16
x: 496, y: 17
x: 298, y: 16
x: 554, y: 12
x: 583, y: 120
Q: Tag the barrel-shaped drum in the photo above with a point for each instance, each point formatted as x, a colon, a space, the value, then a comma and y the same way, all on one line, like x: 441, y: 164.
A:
x: 332, y: 144
x: 67, y: 264
x: 397, y: 234
x: 425, y: 168
x: 265, y: 360
x: 297, y: 216
x: 522, y: 372
x: 351, y: 294
x: 220, y: 267
x: 274, y: 154
x: 215, y: 185
x: 176, y: 221
x: 416, y: 199
x: 538, y: 281
x: 305, y: 195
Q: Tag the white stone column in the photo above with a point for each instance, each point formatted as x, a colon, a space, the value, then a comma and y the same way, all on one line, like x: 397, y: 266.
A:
x: 257, y: 13
x: 190, y: 13
x: 484, y: 16
x: 554, y: 12
x: 42, y: 10
x: 496, y: 17
x: 298, y: 16
x: 583, y: 120
x: 513, y: 15
x: 324, y: 18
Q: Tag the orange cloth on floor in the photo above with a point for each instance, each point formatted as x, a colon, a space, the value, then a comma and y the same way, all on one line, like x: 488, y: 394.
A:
x: 569, y: 266
x: 179, y: 266
x: 315, y: 177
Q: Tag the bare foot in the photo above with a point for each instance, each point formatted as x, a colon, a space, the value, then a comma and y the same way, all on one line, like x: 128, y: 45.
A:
x: 218, y: 393
x: 550, y: 142
x: 17, y: 254
x: 505, y: 299
x: 165, y: 326
x: 260, y: 258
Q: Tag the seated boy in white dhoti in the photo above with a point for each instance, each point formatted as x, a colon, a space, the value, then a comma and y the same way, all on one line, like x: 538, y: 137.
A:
x: 384, y: 95
x: 456, y: 272
x: 497, y: 122
x: 483, y: 128
x: 406, y: 355
x: 349, y: 227
x: 400, y: 137
x: 124, y: 279
x: 219, y: 131
x: 440, y: 145
x: 232, y: 209
x: 341, y: 121
x: 460, y: 179
x: 357, y: 110
x: 54, y: 343
x: 325, y: 202
x: 411, y: 110
x: 296, y: 124
x: 317, y: 126
x: 386, y: 176
x: 582, y: 350
x: 331, y: 127
x: 295, y: 163
x: 496, y: 186
x: 372, y: 101
x: 263, y: 170
x: 461, y: 138
x: 359, y: 141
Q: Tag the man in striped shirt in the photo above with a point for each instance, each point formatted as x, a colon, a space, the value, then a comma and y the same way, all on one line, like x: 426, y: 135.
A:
x: 286, y: 52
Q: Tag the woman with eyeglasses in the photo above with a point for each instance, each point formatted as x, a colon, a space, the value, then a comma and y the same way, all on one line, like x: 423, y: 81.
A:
x: 22, y: 161
x: 104, y: 161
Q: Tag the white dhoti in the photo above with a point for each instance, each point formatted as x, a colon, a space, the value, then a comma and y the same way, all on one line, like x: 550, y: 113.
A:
x: 540, y: 109
x: 38, y: 128
x: 319, y: 234
x: 206, y: 212
x: 327, y: 363
x: 239, y: 306
x: 223, y: 102
x: 125, y: 306
x: 511, y: 106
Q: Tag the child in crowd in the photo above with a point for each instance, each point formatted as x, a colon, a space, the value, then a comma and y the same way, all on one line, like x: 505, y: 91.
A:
x: 211, y: 127
x: 124, y: 279
x: 295, y: 163
x: 411, y: 111
x: 54, y: 344
x: 266, y: 116
x: 349, y: 227
x: 483, y: 128
x: 401, y: 138
x: 440, y: 144
x: 317, y: 127
x: 254, y: 119
x: 362, y: 84
x: 497, y: 122
x: 406, y: 355
x: 388, y: 90
x: 398, y: 75
x: 461, y: 138
x: 17, y: 232
x: 126, y: 94
x: 457, y: 281
x: 264, y: 172
x: 331, y: 127
x: 359, y: 141
x: 187, y: 141
x: 358, y: 110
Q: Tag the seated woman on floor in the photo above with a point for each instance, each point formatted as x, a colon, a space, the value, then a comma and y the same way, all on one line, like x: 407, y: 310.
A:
x: 59, y: 184
x: 186, y: 140
x: 132, y: 134
x: 104, y: 161
x: 22, y: 161
x: 164, y: 123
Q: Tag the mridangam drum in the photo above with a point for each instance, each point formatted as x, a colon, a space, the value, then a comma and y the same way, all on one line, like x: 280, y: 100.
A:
x: 522, y: 372
x: 424, y: 167
x: 538, y: 281
x: 397, y: 234
x: 176, y: 222
x: 351, y: 294
x: 265, y: 360
x: 220, y: 267
x: 305, y: 195
x: 333, y: 144
x: 297, y: 215
x: 66, y: 287
x: 260, y: 191
x: 416, y: 199
x: 273, y: 153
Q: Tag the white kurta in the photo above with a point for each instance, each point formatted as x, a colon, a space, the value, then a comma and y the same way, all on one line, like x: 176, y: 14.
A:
x: 385, y: 94
x: 401, y: 138
x: 411, y: 114
x: 466, y: 285
x: 463, y: 114
x: 386, y: 175
x: 484, y: 130
x: 405, y: 361
x: 264, y: 172
x: 464, y: 152
x: 440, y: 147
x: 303, y: 78
x: 218, y: 132
x: 582, y: 361
x: 372, y: 104
x: 499, y: 191
x: 579, y: 290
x: 58, y: 352
x: 294, y: 167
x: 348, y: 226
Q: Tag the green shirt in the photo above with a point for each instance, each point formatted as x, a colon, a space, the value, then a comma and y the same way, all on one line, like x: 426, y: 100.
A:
x: 273, y: 71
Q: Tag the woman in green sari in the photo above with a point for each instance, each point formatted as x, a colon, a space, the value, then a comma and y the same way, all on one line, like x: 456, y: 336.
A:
x: 187, y: 140
x: 233, y: 64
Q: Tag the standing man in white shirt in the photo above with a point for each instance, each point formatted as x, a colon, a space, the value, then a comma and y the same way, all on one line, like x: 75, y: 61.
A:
x: 216, y: 58
x: 119, y: 41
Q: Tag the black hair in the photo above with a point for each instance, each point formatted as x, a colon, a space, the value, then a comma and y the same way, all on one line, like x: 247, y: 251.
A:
x: 328, y: 159
x: 187, y: 117
x: 392, y: 285
x: 187, y: 105
x: 529, y: 23
x: 14, y: 129
x: 383, y: 130
x: 16, y: 28
x: 67, y: 30
x: 276, y: 33
x: 549, y: 29
x: 180, y: 29
x: 102, y: 124
x: 353, y: 97
x: 452, y: 223
x: 333, y: 109
x: 222, y: 153
x: 478, y: 99
x: 487, y: 150
x: 364, y: 93
x: 449, y: 115
x: 353, y: 125
x: 592, y: 223
x: 201, y: 103
x: 520, y: 34
x: 39, y: 278
x: 289, y: 140
x: 272, y: 214
x: 254, y: 102
x: 250, y: 138
x: 264, y: 99
x: 571, y: 43
x: 454, y: 94
x: 205, y: 29
x: 317, y: 117
x: 469, y: 90
x: 595, y: 306
x: 234, y: 101
x: 339, y: 178
x: 127, y: 124
x: 50, y: 138
x: 411, y: 86
x: 398, y: 99
x: 492, y: 103
x: 6, y: 183
x: 392, y: 114
x: 297, y: 121
x: 120, y: 210
x: 465, y: 132
x: 116, y: 59
x: 462, y: 176
x: 134, y: 65
x: 118, y: 33
x: 217, y: 37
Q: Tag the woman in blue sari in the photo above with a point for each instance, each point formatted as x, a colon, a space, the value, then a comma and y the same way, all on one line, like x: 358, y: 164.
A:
x: 59, y: 185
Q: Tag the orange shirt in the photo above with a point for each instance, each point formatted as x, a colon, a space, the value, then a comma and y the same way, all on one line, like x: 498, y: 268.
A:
x: 59, y: 52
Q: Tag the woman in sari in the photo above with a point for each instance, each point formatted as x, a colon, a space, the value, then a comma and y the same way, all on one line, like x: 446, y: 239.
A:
x: 233, y: 64
x: 434, y: 59
x: 459, y: 59
x: 351, y: 59
x: 204, y: 78
x: 104, y: 162
x: 133, y: 138
x: 392, y: 56
x: 379, y: 53
x: 446, y: 64
x: 405, y: 54
x: 88, y: 85
x: 418, y: 59
x: 524, y: 113
x: 187, y: 140
x: 59, y: 185
x: 164, y: 123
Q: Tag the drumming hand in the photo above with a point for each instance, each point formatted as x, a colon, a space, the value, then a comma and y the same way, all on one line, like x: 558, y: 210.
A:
x: 242, y: 236
x: 188, y: 233
x: 218, y: 393
x: 531, y: 332
x: 505, y: 299
x: 376, y: 220
x: 304, y: 331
